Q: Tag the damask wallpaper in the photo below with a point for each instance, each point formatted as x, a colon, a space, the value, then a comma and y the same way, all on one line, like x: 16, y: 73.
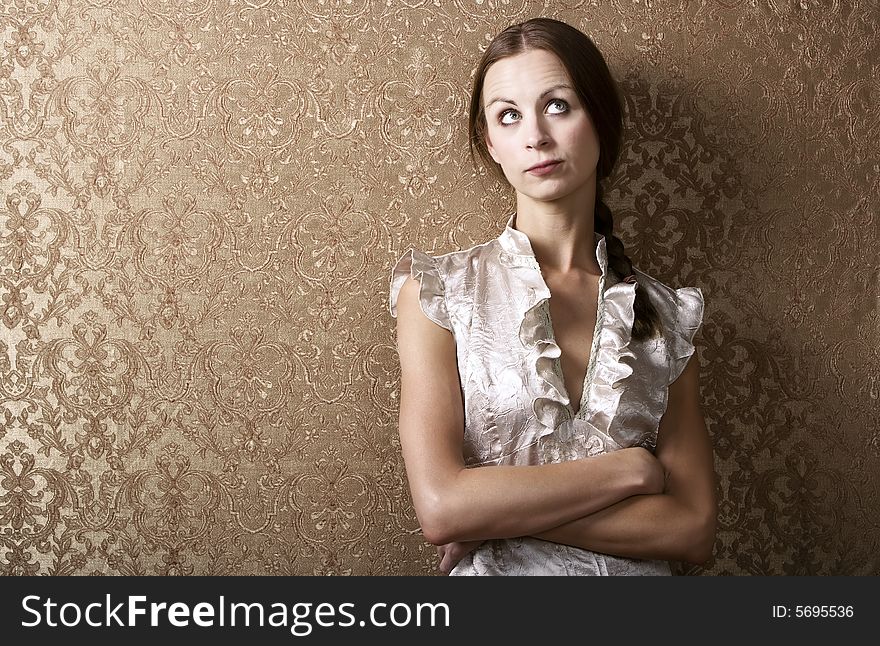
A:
x: 203, y: 201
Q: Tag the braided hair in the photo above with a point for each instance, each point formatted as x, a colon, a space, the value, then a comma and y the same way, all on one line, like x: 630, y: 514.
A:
x: 647, y: 321
x: 600, y: 96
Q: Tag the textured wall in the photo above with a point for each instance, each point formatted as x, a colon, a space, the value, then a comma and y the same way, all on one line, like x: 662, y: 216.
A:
x: 203, y: 201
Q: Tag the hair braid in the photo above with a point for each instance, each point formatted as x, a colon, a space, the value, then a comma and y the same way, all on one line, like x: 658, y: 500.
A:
x: 647, y: 320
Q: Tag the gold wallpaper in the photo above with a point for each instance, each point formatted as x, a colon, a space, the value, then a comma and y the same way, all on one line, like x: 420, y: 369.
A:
x: 203, y: 201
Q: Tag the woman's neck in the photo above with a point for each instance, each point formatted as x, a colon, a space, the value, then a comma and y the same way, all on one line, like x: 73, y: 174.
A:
x: 561, y: 232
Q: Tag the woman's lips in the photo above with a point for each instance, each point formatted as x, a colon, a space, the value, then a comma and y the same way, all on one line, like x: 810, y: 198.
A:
x: 544, y: 170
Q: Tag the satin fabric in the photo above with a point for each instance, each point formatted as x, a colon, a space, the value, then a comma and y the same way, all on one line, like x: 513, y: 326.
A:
x: 494, y: 300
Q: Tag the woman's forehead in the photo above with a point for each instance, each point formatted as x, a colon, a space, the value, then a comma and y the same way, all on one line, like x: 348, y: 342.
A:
x: 525, y: 75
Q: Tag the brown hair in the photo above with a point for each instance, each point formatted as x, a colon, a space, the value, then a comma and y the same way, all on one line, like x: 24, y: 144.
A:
x: 599, y: 94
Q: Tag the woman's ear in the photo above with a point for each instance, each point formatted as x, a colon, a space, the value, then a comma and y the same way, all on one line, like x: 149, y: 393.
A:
x: 491, y: 148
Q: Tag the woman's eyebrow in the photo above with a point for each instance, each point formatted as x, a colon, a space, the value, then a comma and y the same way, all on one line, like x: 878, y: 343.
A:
x: 559, y: 86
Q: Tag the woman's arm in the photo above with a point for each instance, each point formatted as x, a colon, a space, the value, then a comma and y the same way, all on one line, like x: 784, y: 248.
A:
x: 678, y: 524
x: 454, y: 503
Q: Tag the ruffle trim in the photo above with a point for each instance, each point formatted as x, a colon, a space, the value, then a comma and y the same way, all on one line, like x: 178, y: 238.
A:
x: 550, y: 404
x: 610, y: 369
x: 688, y: 319
x: 605, y: 374
x: 432, y: 298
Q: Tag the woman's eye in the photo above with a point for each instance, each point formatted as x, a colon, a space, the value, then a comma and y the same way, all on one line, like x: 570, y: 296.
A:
x: 562, y: 106
x: 508, y: 117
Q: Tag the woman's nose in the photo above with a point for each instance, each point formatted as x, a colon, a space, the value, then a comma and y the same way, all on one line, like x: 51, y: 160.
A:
x: 537, y: 135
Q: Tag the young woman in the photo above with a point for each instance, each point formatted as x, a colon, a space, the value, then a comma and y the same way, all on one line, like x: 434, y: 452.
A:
x: 549, y: 417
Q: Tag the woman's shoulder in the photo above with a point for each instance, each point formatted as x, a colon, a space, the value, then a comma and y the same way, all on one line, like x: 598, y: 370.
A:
x: 664, y: 292
x: 449, y: 265
x: 437, y: 273
x: 462, y: 259
x: 681, y: 313
x: 671, y: 302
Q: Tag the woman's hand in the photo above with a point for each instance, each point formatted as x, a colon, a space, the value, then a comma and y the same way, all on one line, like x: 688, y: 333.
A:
x: 452, y: 553
x: 652, y: 475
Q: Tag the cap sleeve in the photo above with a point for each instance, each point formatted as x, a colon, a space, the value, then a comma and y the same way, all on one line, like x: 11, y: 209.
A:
x: 688, y: 319
x: 432, y: 298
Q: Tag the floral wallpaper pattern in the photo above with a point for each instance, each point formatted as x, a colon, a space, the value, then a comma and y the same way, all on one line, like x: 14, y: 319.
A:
x: 202, y: 201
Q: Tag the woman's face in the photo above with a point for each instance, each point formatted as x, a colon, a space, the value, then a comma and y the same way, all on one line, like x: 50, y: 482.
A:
x: 534, y: 116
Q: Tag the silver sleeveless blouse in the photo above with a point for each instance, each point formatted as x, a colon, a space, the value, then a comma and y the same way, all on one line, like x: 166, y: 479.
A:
x: 494, y: 300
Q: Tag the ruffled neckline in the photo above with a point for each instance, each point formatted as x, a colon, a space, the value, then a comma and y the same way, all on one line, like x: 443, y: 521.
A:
x: 602, y: 387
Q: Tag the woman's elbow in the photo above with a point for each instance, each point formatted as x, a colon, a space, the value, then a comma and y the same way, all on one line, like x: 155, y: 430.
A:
x: 700, y: 544
x: 433, y: 529
x: 436, y: 518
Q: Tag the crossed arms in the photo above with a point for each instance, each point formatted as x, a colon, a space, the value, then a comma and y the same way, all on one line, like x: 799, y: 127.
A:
x: 628, y: 503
